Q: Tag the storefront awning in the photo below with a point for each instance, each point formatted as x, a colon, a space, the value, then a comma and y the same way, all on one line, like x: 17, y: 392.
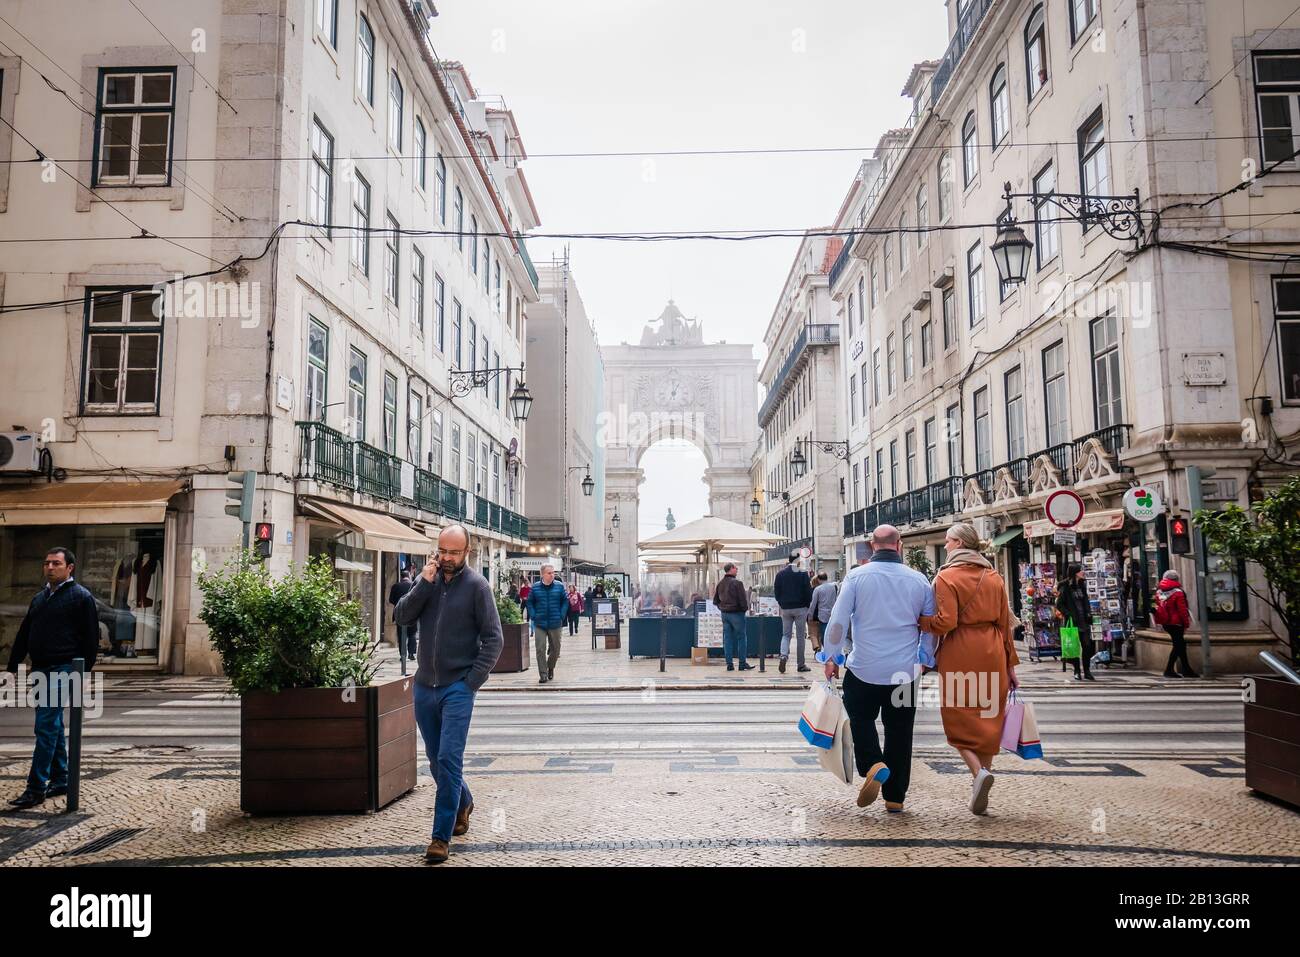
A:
x: 1010, y: 535
x: 380, y: 532
x: 87, y: 503
x: 1108, y: 521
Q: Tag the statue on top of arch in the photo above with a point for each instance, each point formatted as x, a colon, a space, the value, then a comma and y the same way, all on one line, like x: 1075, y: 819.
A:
x: 674, y: 329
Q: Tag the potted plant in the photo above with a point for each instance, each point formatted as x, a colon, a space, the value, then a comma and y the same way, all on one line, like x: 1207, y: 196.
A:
x: 316, y: 736
x: 1271, y: 539
x: 515, y: 655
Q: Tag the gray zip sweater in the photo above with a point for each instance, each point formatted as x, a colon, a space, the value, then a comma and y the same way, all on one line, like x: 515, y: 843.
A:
x: 460, y: 630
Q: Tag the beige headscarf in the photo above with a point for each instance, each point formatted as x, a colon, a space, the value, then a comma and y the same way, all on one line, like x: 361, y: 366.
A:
x: 971, y: 547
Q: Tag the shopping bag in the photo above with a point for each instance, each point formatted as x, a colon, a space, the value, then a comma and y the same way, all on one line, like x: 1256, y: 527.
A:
x: 1013, y: 717
x: 1070, y: 645
x: 838, y: 758
x: 821, y: 715
x: 1029, y: 747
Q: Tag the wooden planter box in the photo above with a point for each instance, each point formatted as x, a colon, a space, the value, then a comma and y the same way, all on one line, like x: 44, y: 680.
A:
x: 310, y: 751
x: 1273, y: 739
x: 515, y: 652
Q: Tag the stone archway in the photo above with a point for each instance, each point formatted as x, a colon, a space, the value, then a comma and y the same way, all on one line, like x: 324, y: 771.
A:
x: 673, y: 385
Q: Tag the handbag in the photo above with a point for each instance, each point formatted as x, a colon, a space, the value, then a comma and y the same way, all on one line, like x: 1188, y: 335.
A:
x: 821, y: 715
x: 1070, y: 644
x: 1029, y: 746
x: 1012, y: 720
x: 838, y: 758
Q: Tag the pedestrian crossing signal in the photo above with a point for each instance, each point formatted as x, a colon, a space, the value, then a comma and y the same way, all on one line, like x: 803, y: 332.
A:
x: 263, y: 535
x: 1180, y: 539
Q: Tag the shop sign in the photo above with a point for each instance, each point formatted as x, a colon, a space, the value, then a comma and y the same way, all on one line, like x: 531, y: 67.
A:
x: 535, y: 564
x: 1064, y: 508
x: 1143, y: 503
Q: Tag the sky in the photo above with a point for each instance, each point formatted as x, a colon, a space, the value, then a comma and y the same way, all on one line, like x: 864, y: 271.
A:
x: 635, y: 76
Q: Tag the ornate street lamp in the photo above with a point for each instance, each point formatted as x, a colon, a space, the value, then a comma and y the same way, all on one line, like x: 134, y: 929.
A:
x: 521, y: 401
x: 588, y: 485
x: 1011, y: 250
x: 798, y: 464
x: 616, y: 521
x: 755, y: 506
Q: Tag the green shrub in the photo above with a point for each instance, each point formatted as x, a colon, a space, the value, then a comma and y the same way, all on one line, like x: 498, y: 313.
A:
x: 295, y: 632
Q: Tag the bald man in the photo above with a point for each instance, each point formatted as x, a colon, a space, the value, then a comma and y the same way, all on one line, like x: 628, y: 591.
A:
x: 882, y: 601
x: 460, y: 641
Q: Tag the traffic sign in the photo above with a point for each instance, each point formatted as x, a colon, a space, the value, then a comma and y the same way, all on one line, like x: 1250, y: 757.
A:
x: 1143, y: 503
x: 1064, y: 536
x: 1064, y: 508
x: 805, y: 552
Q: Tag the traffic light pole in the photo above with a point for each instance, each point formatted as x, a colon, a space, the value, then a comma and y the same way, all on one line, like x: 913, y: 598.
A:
x: 1195, y: 497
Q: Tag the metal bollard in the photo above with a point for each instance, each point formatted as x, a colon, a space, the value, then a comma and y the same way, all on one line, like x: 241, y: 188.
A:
x: 663, y: 642
x: 74, y: 734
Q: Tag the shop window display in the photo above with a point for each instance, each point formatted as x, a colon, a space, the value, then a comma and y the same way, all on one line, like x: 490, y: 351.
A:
x: 1038, y: 609
x: 121, y: 566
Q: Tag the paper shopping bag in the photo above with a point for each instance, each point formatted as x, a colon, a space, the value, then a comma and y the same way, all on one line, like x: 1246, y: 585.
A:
x: 838, y: 758
x: 1012, y: 720
x: 1028, y: 745
x: 820, y: 715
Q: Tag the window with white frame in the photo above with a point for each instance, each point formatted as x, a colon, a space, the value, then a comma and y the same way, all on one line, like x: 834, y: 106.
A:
x: 880, y: 474
x: 320, y: 183
x: 317, y: 370
x: 123, y: 351
x: 1108, y: 400
x: 1286, y: 316
x: 460, y: 219
x: 356, y: 424
x: 929, y: 435
x: 855, y: 486
x: 440, y: 312
x: 853, y: 398
x: 415, y: 427
x: 456, y: 333
x: 1014, y: 385
x: 453, y: 471
x: 902, y: 243
x: 1055, y: 399
x: 889, y: 255
x: 862, y: 376
x: 1082, y: 13
x: 862, y: 301
x: 890, y: 365
x: 1094, y: 169
x: 487, y: 264
x: 483, y: 469
x: 848, y: 312
x: 1035, y: 52
x: 875, y: 376
x: 434, y: 464
x: 391, y: 280
x: 875, y: 284
x: 945, y: 186
x: 908, y: 351
x: 949, y: 310
x: 473, y: 244
x: 396, y: 103
x: 893, y: 468
x: 390, y: 413
x: 361, y: 223
x: 327, y: 20
x: 975, y: 283
x: 952, y: 425
x: 135, y: 127
x: 496, y: 380
x: 999, y: 106
x: 922, y: 214
x: 366, y: 60
x: 421, y: 153
x: 442, y: 188
x: 909, y: 459
x: 1047, y: 231
x: 983, y: 430
x: 970, y: 157
x: 1277, y: 99
x: 417, y: 288
x: 927, y: 343
x: 473, y: 345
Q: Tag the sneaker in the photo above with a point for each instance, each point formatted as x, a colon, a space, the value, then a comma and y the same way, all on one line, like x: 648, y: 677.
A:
x: 979, y: 792
x: 29, y: 798
x: 781, y: 667
x: 437, y: 852
x: 876, y: 775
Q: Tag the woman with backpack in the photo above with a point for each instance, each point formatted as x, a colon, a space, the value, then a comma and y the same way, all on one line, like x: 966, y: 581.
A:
x: 576, y: 606
x: 1171, y: 614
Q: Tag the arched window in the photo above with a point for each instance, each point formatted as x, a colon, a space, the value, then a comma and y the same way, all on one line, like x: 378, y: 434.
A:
x: 970, y: 160
x: 366, y: 61
x: 395, y: 98
x: 1035, y: 53
x: 999, y: 105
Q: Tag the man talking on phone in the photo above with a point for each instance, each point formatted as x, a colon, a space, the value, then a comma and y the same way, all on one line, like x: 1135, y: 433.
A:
x: 460, y: 641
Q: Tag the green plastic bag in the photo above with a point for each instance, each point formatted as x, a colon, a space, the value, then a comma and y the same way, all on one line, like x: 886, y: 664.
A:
x: 1070, y: 644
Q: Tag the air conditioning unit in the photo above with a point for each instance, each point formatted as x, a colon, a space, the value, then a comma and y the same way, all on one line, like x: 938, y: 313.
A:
x: 18, y: 452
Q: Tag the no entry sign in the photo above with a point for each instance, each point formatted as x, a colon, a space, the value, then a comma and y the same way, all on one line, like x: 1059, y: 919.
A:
x: 1064, y: 508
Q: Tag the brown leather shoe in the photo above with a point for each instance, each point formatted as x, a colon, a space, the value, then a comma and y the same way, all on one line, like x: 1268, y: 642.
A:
x: 437, y: 852
x: 462, y: 821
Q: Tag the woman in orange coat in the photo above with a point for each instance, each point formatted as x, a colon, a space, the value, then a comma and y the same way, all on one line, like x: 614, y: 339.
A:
x: 976, y: 658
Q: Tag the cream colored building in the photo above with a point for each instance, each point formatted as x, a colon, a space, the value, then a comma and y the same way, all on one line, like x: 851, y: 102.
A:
x: 1122, y: 359
x: 372, y: 203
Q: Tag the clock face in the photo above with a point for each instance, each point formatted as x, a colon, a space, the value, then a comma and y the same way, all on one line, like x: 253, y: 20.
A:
x: 673, y: 392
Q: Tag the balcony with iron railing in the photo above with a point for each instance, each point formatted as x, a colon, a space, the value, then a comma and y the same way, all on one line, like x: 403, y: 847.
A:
x: 842, y: 260
x: 812, y: 334
x: 528, y: 260
x: 967, y: 26
x: 946, y: 498
x: 782, y: 552
x: 327, y: 455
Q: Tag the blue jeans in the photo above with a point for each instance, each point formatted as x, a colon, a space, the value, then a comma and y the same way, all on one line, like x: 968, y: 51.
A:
x: 442, y: 715
x: 733, y: 636
x: 50, y: 757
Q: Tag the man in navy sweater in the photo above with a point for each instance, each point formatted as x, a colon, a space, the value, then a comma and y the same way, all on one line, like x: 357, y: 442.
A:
x: 793, y: 592
x: 61, y: 624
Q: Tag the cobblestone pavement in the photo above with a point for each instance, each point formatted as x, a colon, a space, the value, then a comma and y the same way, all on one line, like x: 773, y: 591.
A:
x: 678, y: 809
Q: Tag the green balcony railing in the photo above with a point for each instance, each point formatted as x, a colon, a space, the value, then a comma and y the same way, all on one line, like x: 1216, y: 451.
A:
x: 327, y: 455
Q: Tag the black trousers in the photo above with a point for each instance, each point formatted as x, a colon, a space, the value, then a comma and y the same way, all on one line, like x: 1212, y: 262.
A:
x: 1179, y: 650
x: 573, y: 622
x: 1087, y: 648
x: 896, y: 706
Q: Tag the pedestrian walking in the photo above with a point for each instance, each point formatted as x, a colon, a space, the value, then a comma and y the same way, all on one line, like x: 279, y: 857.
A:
x: 575, y: 609
x: 1072, y: 606
x: 730, y: 597
x: 976, y: 655
x: 819, y: 608
x: 793, y: 593
x: 548, y: 605
x: 1171, y: 614
x: 61, y: 624
x: 461, y: 641
x: 407, y: 635
x: 883, y: 600
x: 524, y: 590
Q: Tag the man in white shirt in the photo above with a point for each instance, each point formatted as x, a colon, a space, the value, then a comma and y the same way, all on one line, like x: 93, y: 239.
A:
x: 882, y: 601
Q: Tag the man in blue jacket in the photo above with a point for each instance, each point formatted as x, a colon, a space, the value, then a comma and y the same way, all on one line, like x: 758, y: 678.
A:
x: 61, y: 624
x: 548, y: 606
x: 793, y: 592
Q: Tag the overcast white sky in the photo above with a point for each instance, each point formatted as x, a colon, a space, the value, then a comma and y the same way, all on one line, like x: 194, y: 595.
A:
x: 641, y: 75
